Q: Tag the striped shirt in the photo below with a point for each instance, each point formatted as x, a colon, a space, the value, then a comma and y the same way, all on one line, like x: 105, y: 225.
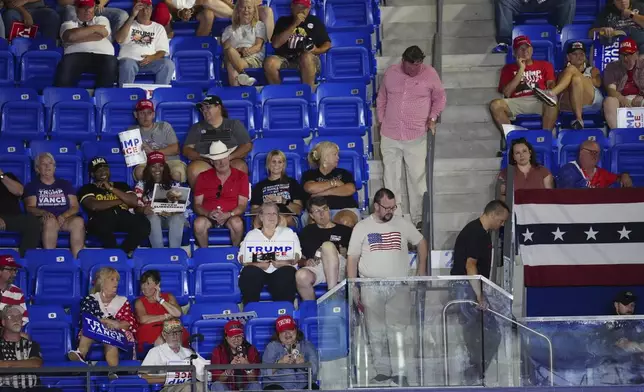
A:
x: 406, y: 103
x: 14, y: 296
x: 21, y: 350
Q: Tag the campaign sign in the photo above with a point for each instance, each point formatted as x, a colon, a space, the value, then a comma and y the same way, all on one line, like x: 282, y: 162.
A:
x: 148, y: 87
x: 93, y: 329
x: 630, y: 118
x: 605, y: 54
x: 242, y: 317
x: 132, y: 147
x: 18, y: 29
x: 283, y: 250
x: 176, y: 378
x: 172, y: 200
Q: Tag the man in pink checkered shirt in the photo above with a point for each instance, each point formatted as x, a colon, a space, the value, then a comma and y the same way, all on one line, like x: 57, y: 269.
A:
x: 410, y: 99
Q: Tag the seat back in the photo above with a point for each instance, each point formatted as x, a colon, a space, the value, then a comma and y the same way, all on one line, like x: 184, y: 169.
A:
x: 53, y: 335
x: 241, y: 104
x: 329, y: 335
x: 270, y: 309
x: 259, y: 332
x: 627, y: 153
x: 351, y: 58
x: 541, y: 141
x: 217, y: 282
x: 70, y: 113
x: 348, y: 15
x: 34, y: 258
x: 111, y: 151
x: 195, y: 61
x: 293, y: 148
x: 115, y: 108
x: 22, y: 113
x: 569, y: 141
x: 170, y: 256
x: 341, y: 109
x: 213, y: 335
x: 286, y: 110
x: 177, y: 106
x: 68, y: 159
x: 58, y: 284
x: 7, y: 68
x: 220, y: 254
x: 90, y: 257
x: 174, y: 278
x: 15, y: 159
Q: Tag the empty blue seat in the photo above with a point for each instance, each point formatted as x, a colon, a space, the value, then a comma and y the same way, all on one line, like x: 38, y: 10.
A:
x: 174, y: 279
x: 240, y: 103
x: 22, y: 114
x: 7, y: 68
x: 627, y: 153
x: 286, y: 110
x: 177, y: 107
x: 342, y: 109
x: 128, y: 384
x: 351, y: 58
x: 329, y: 335
x: 586, y: 10
x: 70, y: 114
x: 111, y: 151
x: 90, y: 257
x: 217, y: 282
x: 220, y: 254
x: 259, y: 332
x: 537, y: 32
x: 293, y: 148
x: 569, y: 141
x: 68, y: 159
x: 341, y: 15
x: 15, y: 159
x: 270, y: 309
x: 170, y: 256
x: 115, y: 109
x: 58, y: 284
x: 37, y: 60
x: 53, y: 335
x: 196, y: 60
x: 541, y: 141
x: 35, y: 258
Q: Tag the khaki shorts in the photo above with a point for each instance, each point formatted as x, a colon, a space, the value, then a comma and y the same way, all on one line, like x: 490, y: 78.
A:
x: 176, y: 166
x: 524, y: 105
x: 254, y: 61
x: 318, y: 271
x: 294, y: 63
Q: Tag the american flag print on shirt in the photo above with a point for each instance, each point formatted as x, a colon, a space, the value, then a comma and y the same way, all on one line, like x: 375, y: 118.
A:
x: 384, y: 241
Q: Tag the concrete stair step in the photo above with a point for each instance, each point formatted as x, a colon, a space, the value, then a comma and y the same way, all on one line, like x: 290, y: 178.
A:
x: 396, y: 47
x: 466, y: 114
x: 453, y: 221
x: 461, y: 202
x: 470, y: 149
x: 444, y: 240
x: 468, y: 11
x: 459, y: 182
x: 455, y: 132
x: 471, y: 45
x: 464, y: 164
x: 469, y: 62
x: 482, y: 77
x: 467, y: 96
x: 476, y: 28
x: 404, y: 3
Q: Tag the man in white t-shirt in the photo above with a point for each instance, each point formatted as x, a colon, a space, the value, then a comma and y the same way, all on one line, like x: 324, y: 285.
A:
x: 172, y: 353
x: 87, y: 48
x: 144, y: 45
x: 379, y: 249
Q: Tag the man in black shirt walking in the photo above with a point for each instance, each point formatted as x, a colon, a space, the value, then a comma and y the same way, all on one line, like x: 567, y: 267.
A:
x: 473, y: 256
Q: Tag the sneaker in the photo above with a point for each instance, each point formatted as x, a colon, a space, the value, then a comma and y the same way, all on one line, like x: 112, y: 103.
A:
x: 400, y: 381
x: 112, y: 376
x: 500, y: 48
x: 380, y: 381
x: 576, y: 124
x: 75, y: 355
x: 545, y: 96
x: 246, y: 80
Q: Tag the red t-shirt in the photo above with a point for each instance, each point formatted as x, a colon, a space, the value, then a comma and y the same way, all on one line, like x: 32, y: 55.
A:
x: 602, y: 178
x: 536, y: 74
x: 208, y: 185
x: 630, y: 88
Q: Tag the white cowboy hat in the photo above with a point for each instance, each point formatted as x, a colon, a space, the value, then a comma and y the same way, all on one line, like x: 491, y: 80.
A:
x: 218, y: 151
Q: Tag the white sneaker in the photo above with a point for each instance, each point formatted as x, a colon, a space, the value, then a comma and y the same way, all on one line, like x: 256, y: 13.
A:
x: 246, y: 80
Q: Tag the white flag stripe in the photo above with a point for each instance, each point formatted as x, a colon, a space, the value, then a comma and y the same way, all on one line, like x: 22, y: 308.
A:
x: 579, y: 213
x: 582, y: 254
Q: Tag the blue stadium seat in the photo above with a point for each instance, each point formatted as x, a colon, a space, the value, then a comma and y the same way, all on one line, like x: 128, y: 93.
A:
x: 351, y: 58
x: 53, y: 335
x: 212, y: 330
x: 241, y: 104
x: 115, y: 108
x: 22, y: 114
x: 170, y: 256
x: 90, y: 257
x: 37, y: 60
x: 345, y: 143
x: 68, y: 159
x: 35, y: 258
x: 569, y: 141
x: 128, y: 384
x: 70, y: 114
x: 342, y: 109
x: 537, y: 32
x: 73, y: 384
x: 15, y: 159
x: 111, y: 151
x: 126, y: 279
x: 283, y: 8
x: 270, y: 309
x: 541, y: 141
x: 569, y: 34
x: 293, y: 148
x: 287, y: 110
x: 354, y: 16
x: 627, y: 153
x: 259, y: 330
x: 586, y: 10
x: 7, y: 65
x: 177, y: 107
x: 217, y: 282
x: 174, y: 279
x: 220, y: 254
x: 196, y: 60
x: 58, y: 284
x: 329, y: 335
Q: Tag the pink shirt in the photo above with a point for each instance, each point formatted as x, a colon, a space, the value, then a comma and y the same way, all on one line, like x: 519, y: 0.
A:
x: 406, y: 103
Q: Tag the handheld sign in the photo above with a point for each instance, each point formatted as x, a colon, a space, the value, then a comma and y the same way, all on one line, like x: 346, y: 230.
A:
x: 18, y: 29
x: 283, y: 250
x: 132, y: 146
x: 176, y: 378
x: 93, y: 329
x: 630, y: 118
x: 171, y: 200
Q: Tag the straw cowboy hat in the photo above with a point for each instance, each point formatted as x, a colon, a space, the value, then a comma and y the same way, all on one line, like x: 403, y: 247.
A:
x: 218, y: 151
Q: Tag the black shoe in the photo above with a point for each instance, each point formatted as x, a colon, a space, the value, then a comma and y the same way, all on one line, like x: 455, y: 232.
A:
x: 400, y: 381
x: 499, y: 154
x: 381, y: 378
x: 576, y: 124
x: 500, y: 48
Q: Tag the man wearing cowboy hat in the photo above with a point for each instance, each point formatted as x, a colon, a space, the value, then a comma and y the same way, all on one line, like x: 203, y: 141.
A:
x: 221, y: 196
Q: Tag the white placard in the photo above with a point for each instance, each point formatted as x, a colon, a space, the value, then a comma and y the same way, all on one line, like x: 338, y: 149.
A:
x: 176, y: 378
x: 507, y: 128
x: 283, y: 249
x: 242, y: 317
x: 630, y: 118
x: 132, y: 147
x: 149, y: 88
x: 172, y: 200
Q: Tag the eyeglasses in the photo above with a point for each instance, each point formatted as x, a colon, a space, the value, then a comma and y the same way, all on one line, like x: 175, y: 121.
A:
x: 388, y: 209
x: 270, y: 214
x: 11, y: 270
x: 591, y: 152
x: 320, y: 210
x: 219, y: 189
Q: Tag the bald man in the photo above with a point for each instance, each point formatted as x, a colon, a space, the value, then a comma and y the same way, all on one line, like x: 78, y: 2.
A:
x: 584, y: 172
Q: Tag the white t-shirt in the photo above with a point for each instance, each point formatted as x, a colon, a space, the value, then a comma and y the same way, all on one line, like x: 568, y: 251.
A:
x: 163, y: 354
x: 144, y: 40
x: 382, y: 247
x: 103, y: 46
x: 244, y: 36
x: 282, y: 236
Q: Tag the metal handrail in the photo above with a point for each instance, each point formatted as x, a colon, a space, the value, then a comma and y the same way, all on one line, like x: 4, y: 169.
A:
x: 467, y: 301
x: 251, y: 366
x: 508, y: 233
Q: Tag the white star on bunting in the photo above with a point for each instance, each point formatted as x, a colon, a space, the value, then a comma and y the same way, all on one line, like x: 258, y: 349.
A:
x: 558, y: 234
x: 527, y: 236
x: 591, y: 234
x: 624, y: 233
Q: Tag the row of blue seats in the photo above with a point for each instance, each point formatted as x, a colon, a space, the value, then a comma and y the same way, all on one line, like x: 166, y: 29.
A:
x: 585, y: 12
x: 622, y: 151
x: 276, y: 111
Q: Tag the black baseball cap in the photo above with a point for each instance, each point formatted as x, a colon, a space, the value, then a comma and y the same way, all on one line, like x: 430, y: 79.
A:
x: 96, y: 163
x: 210, y: 100
x: 577, y: 45
x: 626, y: 297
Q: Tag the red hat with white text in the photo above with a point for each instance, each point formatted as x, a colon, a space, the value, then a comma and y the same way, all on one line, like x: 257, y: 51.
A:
x: 285, y: 323
x: 156, y: 157
x: 521, y: 40
x: 7, y: 261
x: 628, y: 46
x: 233, y: 328
x: 144, y: 104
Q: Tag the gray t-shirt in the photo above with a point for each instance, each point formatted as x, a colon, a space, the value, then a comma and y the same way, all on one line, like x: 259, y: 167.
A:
x: 231, y: 132
x: 382, y: 247
x: 159, y: 136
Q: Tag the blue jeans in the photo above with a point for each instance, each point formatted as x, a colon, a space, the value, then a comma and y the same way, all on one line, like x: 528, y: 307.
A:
x: 2, y: 31
x: 560, y: 13
x: 116, y: 16
x: 174, y: 223
x: 163, y: 69
x: 47, y: 19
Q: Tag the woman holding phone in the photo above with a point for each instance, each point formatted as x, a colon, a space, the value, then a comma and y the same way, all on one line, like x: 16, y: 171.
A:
x: 152, y: 309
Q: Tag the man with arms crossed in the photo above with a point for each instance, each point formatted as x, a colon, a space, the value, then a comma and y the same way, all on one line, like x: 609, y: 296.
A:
x: 379, y: 249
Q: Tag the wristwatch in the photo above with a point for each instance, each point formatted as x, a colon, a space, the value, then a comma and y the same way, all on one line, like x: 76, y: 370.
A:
x: 232, y: 213
x: 1, y: 176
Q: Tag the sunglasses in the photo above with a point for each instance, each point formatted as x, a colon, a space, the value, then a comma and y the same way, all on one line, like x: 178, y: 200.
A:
x: 219, y: 189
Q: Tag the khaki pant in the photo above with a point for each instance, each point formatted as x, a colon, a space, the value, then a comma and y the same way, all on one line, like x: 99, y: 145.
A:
x: 413, y: 153
x: 387, y: 312
x: 183, y: 388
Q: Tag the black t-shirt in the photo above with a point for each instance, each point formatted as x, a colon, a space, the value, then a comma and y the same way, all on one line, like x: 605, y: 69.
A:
x: 288, y: 188
x: 9, y: 203
x: 311, y: 27
x: 610, y: 16
x: 334, y: 202
x: 475, y: 242
x: 100, y: 194
x: 231, y: 132
x: 312, y: 237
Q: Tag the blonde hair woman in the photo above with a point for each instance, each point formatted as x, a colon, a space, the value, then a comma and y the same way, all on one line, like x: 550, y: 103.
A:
x: 334, y: 183
x: 112, y: 310
x: 243, y: 43
x: 278, y: 188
